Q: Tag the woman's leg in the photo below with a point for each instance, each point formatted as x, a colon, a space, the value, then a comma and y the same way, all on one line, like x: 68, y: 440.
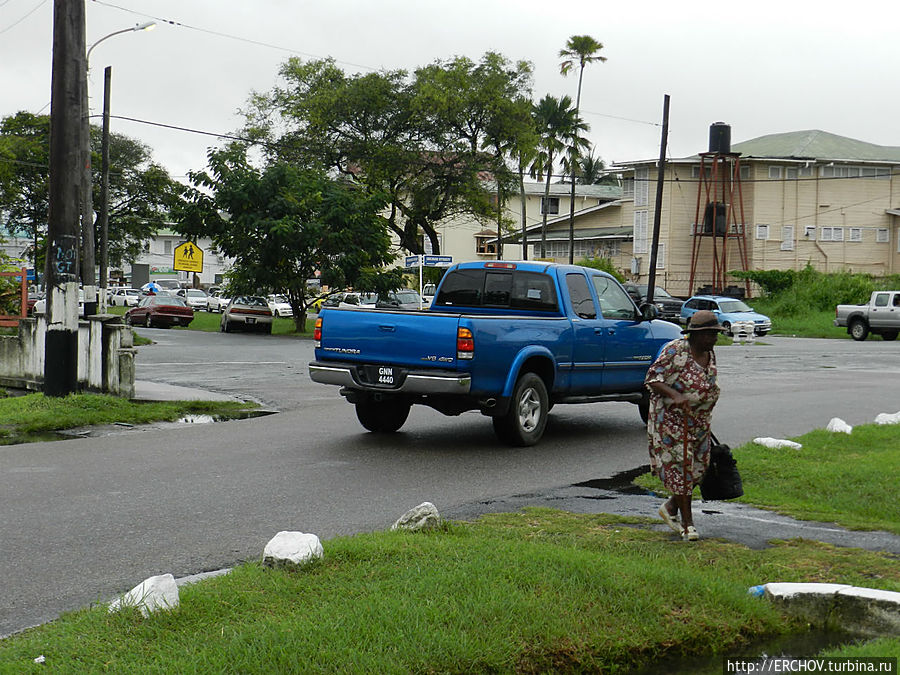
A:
x: 683, y: 504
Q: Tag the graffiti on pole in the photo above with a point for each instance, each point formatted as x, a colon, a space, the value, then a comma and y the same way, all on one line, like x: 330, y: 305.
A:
x: 63, y: 252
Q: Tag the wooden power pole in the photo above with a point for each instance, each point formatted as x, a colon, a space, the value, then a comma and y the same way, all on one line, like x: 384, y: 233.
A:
x: 64, y: 229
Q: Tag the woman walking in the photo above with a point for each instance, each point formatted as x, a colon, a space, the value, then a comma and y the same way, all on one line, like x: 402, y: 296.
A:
x: 683, y: 392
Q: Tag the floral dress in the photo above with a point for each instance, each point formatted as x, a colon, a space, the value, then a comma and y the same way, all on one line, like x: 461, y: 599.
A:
x: 677, y: 368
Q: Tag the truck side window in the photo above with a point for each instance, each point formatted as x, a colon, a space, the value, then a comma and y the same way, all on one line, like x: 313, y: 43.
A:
x: 535, y: 291
x: 881, y: 300
x: 614, y: 302
x: 897, y: 300
x: 580, y: 295
x: 462, y: 287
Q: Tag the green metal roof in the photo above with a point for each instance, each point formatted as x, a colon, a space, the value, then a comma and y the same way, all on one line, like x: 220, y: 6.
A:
x: 815, y: 144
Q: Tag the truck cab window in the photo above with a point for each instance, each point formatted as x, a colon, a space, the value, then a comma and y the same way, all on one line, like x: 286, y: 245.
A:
x: 614, y: 301
x: 498, y: 288
x: 580, y: 295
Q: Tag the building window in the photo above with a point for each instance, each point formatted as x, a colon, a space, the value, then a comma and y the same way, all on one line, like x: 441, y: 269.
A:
x: 774, y: 172
x: 787, y: 238
x: 628, y: 187
x: 641, y: 233
x: 745, y: 172
x: 483, y: 247
x: 167, y: 246
x: 805, y: 172
x: 791, y: 173
x: 762, y: 232
x: 549, y: 204
x: 882, y: 235
x: 641, y: 187
x: 661, y: 256
x: 855, y: 234
x: 831, y: 234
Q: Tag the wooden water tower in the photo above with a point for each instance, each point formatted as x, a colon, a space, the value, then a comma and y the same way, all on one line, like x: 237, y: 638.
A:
x: 719, y: 241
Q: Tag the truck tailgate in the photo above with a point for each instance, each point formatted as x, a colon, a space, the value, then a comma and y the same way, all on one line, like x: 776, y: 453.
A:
x: 409, y: 339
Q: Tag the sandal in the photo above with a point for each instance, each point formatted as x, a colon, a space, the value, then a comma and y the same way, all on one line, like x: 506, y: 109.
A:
x: 669, y: 519
x: 690, y: 533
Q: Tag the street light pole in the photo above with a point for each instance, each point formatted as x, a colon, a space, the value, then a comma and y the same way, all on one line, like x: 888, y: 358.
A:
x: 87, y: 206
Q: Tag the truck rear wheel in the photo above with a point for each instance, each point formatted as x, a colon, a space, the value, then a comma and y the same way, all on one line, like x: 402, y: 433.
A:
x: 859, y: 330
x: 385, y: 416
x: 526, y: 419
x: 644, y: 407
x: 889, y: 335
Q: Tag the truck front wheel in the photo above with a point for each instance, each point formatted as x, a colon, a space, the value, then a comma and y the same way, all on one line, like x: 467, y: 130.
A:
x: 385, y: 416
x: 859, y: 330
x: 526, y: 419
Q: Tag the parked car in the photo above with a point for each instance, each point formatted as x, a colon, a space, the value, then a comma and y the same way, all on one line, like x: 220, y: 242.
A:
x: 217, y: 299
x: 428, y: 293
x: 402, y: 299
x: 279, y: 305
x: 358, y: 299
x: 160, y: 311
x: 40, y: 305
x: 194, y: 297
x: 247, y: 312
x: 124, y: 297
x: 728, y: 310
x: 33, y: 297
x: 881, y: 316
x: 669, y: 306
x: 168, y: 284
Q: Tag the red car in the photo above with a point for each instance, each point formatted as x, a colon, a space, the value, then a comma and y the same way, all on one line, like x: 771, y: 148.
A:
x: 160, y: 311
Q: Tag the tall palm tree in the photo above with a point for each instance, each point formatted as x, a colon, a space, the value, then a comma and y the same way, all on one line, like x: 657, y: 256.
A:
x: 557, y: 126
x: 580, y: 50
x: 592, y: 171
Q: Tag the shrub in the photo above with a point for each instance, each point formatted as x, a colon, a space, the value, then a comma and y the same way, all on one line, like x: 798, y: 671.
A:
x: 604, y: 265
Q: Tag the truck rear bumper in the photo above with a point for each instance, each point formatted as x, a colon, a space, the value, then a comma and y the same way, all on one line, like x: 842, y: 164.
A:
x: 413, y: 381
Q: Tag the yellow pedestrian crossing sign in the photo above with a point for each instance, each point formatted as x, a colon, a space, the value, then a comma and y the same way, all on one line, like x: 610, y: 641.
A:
x: 188, y: 258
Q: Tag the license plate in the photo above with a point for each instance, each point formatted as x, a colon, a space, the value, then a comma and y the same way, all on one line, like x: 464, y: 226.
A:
x: 383, y: 376
x: 251, y: 319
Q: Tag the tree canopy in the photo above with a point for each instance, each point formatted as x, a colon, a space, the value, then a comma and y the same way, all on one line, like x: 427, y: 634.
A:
x: 282, y: 224
x: 141, y: 193
x: 425, y: 141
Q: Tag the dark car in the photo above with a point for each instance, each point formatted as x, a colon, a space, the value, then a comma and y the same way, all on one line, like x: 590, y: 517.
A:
x: 402, y: 299
x: 247, y: 312
x: 160, y: 311
x: 669, y: 307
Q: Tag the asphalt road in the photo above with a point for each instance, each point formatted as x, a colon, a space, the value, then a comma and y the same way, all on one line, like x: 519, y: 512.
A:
x: 82, y: 520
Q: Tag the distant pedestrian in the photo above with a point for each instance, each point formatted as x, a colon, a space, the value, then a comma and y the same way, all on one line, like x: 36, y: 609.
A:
x: 683, y: 393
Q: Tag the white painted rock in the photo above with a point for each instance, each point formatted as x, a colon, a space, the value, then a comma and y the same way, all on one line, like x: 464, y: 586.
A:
x: 424, y: 516
x: 292, y: 548
x: 776, y: 443
x: 838, y: 425
x: 150, y: 595
x: 888, y: 418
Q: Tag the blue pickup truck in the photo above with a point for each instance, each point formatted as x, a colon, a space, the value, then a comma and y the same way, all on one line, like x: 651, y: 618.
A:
x: 509, y: 339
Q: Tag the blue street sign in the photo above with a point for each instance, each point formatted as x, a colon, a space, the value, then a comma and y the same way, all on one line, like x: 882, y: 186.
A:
x: 412, y: 261
x: 438, y: 260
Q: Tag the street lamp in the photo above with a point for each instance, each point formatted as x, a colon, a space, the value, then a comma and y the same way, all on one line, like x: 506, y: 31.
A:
x: 87, y: 223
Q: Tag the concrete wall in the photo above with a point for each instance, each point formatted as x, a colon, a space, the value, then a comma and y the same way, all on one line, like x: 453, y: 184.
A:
x: 105, y: 356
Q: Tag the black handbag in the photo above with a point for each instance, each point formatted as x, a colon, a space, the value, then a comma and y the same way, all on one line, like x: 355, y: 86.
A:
x: 722, y: 479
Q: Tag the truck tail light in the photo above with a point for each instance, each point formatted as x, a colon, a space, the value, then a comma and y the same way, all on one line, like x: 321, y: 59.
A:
x: 465, y: 345
x: 317, y: 332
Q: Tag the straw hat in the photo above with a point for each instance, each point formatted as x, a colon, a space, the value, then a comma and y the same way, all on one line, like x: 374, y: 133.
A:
x: 703, y: 320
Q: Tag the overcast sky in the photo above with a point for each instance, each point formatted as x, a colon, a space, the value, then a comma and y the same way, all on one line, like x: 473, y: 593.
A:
x: 763, y: 67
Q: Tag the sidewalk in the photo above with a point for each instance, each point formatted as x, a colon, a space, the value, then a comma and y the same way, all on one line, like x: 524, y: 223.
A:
x: 144, y: 390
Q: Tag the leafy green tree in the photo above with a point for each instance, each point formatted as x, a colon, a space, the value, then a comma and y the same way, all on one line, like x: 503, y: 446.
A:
x: 281, y: 224
x: 557, y: 126
x: 141, y: 192
x: 592, y: 171
x: 580, y: 50
x: 424, y: 140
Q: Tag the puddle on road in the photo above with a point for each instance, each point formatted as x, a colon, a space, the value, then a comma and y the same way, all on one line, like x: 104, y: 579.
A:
x: 620, y: 482
x: 124, y: 427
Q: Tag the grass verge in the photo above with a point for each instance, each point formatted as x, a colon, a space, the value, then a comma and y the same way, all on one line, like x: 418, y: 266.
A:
x: 536, y: 591
x: 209, y: 322
x: 848, y: 479
x: 35, y: 413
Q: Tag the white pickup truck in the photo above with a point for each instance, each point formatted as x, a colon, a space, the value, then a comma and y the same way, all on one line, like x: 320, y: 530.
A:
x: 881, y: 316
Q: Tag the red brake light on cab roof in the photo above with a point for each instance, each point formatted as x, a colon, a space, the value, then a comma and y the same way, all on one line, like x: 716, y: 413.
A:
x: 465, y: 344
x: 317, y: 332
x: 501, y: 265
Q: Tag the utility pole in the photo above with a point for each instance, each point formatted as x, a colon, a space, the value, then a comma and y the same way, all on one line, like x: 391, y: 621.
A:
x: 104, y: 192
x: 63, y: 229
x: 657, y: 215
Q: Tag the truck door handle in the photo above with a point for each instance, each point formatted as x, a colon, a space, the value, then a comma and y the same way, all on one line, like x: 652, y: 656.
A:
x: 610, y: 331
x: 387, y: 328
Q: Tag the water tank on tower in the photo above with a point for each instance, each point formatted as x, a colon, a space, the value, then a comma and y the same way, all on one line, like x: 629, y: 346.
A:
x: 720, y: 138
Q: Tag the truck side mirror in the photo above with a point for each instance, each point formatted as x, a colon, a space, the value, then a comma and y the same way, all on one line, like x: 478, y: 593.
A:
x: 649, y: 311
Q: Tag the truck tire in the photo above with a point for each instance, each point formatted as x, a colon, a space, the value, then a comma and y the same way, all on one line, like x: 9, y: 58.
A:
x: 889, y: 335
x: 644, y: 407
x: 526, y: 419
x: 859, y: 330
x: 386, y: 416
x: 727, y: 327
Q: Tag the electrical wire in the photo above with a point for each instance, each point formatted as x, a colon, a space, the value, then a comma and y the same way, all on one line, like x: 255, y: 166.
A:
x: 13, y: 25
